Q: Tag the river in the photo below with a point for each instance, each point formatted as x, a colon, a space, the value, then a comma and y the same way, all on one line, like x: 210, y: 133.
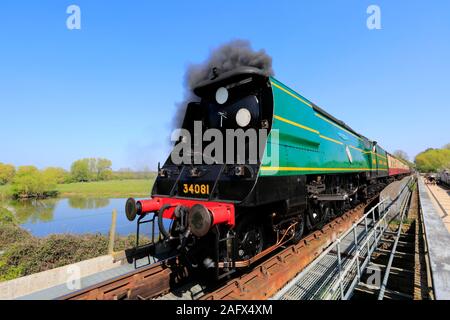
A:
x: 75, y: 215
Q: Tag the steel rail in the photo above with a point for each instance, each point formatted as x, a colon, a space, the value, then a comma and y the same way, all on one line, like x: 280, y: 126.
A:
x: 381, y: 226
x: 394, y: 249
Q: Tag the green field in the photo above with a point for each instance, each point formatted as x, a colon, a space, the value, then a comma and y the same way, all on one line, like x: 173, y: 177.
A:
x: 101, y: 189
x: 109, y: 189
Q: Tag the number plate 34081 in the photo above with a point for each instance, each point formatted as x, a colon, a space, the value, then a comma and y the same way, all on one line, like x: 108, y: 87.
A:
x: 195, y: 188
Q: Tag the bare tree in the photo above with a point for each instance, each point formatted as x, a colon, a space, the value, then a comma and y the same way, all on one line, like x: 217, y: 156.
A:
x: 401, y: 154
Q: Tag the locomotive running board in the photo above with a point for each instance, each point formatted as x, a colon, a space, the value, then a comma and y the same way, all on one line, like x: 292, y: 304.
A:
x: 335, y: 197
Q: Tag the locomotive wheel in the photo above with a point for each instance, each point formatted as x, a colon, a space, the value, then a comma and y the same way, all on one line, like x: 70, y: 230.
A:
x: 299, y: 229
x: 326, y: 213
x: 250, y: 238
x: 317, y: 216
x: 338, y: 208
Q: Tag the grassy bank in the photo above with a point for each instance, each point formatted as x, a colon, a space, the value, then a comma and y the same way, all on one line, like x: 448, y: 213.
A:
x: 98, y: 189
x: 23, y: 254
x: 110, y: 189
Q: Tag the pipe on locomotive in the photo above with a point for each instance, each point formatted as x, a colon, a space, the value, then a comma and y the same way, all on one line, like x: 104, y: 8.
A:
x: 201, y: 216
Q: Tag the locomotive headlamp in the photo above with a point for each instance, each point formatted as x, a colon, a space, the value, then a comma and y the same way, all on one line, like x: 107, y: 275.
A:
x: 221, y: 95
x: 200, y: 220
x: 243, y: 117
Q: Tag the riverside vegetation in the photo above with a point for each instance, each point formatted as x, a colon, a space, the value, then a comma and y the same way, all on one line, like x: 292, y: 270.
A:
x: 87, y: 177
x: 22, y: 254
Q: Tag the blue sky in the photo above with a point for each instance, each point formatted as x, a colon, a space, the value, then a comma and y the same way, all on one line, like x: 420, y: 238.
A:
x: 109, y: 89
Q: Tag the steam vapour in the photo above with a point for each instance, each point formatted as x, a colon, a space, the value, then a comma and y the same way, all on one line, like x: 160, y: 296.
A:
x: 237, y: 53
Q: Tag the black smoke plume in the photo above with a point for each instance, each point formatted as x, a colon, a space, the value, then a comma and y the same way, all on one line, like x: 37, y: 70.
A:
x: 237, y: 53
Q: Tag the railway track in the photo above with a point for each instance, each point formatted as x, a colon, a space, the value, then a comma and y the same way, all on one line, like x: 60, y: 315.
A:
x: 399, y: 259
x: 142, y: 284
x: 260, y: 282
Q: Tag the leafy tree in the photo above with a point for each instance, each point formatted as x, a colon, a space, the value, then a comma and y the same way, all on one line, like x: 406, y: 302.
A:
x: 7, y: 172
x: 58, y: 174
x: 30, y: 182
x: 433, y: 160
x: 90, y: 169
x: 104, y: 171
x: 80, y: 170
x: 26, y: 181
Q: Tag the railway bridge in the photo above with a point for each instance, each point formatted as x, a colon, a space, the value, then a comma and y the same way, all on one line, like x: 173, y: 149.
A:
x: 392, y: 247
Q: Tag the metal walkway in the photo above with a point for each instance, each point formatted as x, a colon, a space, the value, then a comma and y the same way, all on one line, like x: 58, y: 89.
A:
x: 438, y: 242
x: 338, y: 270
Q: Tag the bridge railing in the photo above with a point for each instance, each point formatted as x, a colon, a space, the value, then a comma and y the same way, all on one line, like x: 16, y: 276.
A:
x: 336, y: 272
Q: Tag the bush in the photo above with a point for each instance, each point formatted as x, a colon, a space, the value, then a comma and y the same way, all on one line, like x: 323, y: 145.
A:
x: 7, y: 172
x: 6, y: 217
x: 31, y: 255
x: 30, y: 182
x: 59, y: 175
x: 26, y: 254
x: 60, y: 250
x: 10, y: 231
x: 10, y: 234
x: 433, y: 160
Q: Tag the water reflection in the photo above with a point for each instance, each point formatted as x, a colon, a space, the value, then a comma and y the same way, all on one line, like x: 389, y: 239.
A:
x: 88, y: 203
x: 75, y: 215
x: 34, y: 210
x: 42, y: 210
